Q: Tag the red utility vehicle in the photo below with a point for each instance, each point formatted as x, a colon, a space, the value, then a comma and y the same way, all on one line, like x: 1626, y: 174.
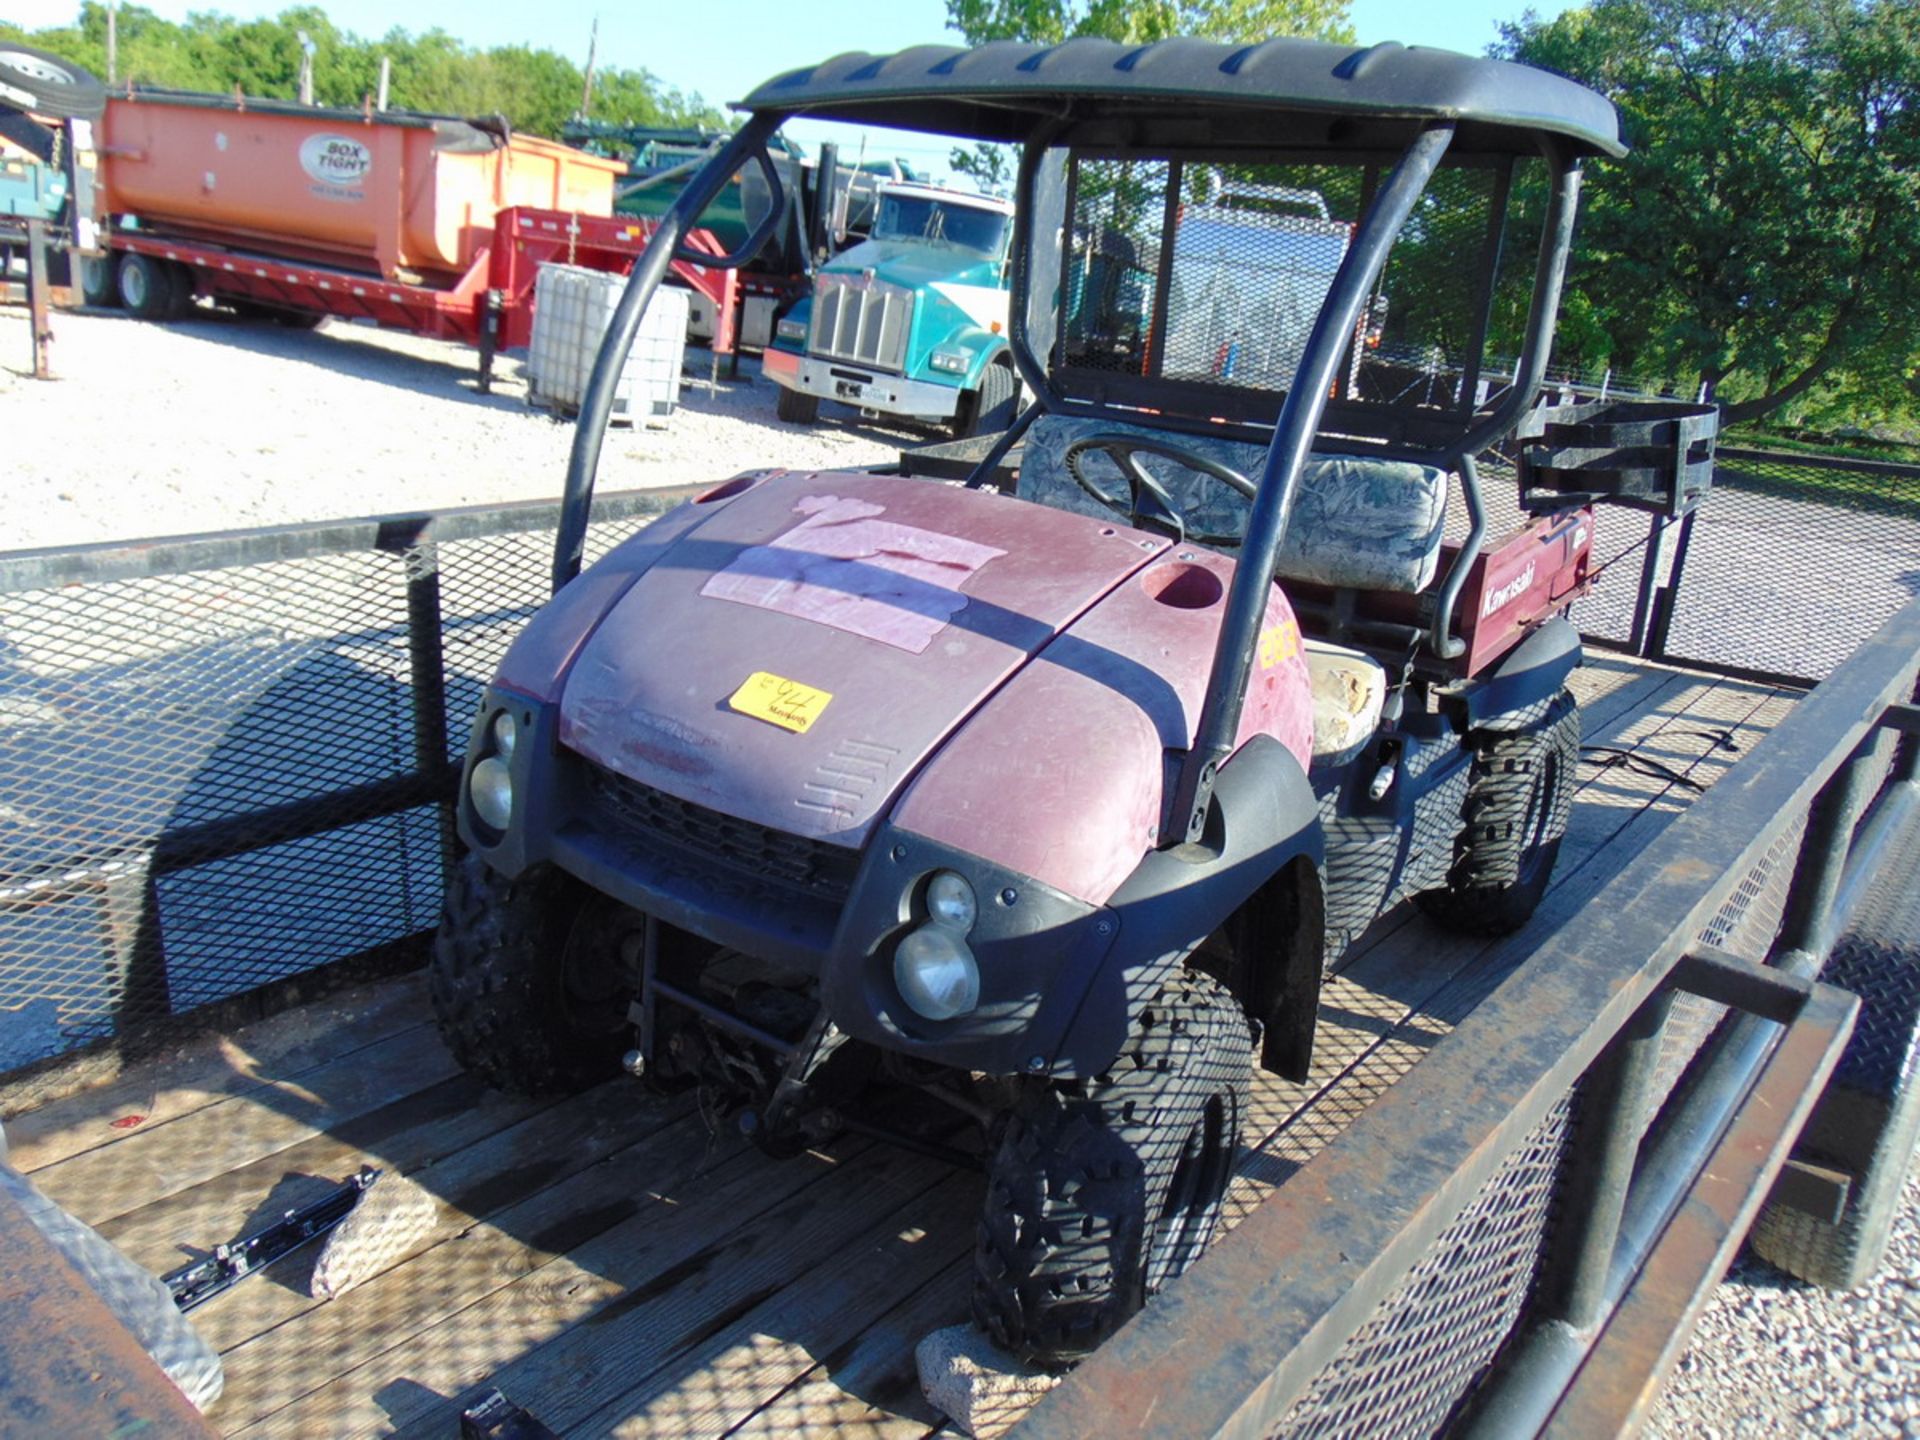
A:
x: 829, y: 790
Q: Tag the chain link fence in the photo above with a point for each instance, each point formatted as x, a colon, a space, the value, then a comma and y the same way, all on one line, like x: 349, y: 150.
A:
x: 225, y: 761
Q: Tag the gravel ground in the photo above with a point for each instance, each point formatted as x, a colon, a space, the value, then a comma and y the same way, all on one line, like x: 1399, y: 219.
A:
x: 1773, y: 1357
x: 216, y: 423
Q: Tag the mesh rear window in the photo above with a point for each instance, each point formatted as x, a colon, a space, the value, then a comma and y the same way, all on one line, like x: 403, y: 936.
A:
x: 1213, y: 274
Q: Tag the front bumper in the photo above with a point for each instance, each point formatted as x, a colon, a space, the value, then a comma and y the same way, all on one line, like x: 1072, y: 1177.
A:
x: 830, y: 912
x: 868, y: 389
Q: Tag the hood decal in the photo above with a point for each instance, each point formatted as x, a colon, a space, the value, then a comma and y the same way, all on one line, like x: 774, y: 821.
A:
x: 845, y: 567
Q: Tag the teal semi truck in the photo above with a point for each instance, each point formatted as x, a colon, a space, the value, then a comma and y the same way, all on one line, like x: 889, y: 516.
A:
x: 912, y: 322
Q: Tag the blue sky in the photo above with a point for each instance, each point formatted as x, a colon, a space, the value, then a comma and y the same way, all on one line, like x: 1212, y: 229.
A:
x: 723, y: 52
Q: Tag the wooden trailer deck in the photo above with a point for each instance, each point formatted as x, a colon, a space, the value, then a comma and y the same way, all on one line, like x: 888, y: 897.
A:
x: 617, y: 1265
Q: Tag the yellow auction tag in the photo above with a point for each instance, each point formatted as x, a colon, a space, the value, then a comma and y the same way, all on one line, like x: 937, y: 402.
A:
x: 1279, y: 642
x: 786, y: 703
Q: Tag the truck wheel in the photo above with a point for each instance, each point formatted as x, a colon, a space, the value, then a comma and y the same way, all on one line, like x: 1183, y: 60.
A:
x: 993, y: 406
x: 1100, y: 1191
x: 146, y: 286
x: 1518, y: 799
x: 33, y: 80
x: 529, y: 979
x: 97, y: 278
x: 1868, y: 1119
x: 184, y: 284
x: 797, y: 407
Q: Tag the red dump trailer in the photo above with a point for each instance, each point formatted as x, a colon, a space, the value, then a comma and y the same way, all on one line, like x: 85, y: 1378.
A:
x: 295, y: 213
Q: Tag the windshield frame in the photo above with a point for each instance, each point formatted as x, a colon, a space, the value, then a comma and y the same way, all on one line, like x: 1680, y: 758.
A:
x: 942, y: 206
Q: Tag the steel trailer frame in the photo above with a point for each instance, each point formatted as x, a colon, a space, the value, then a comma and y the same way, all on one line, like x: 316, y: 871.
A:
x: 490, y: 306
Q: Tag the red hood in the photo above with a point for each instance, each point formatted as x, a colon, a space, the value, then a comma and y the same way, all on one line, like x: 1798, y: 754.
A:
x: 908, y: 602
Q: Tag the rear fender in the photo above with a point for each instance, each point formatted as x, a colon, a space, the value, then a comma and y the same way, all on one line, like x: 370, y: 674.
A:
x: 1516, y: 692
x: 1263, y: 840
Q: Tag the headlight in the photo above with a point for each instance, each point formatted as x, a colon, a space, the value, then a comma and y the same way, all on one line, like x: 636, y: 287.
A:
x: 954, y: 362
x: 791, y: 329
x: 505, y: 733
x: 936, y: 972
x: 950, y: 901
x: 491, y: 788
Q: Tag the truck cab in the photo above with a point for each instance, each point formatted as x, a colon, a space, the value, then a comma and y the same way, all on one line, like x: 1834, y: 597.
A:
x: 912, y: 322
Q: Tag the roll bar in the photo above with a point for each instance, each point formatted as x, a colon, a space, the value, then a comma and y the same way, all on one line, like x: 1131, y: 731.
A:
x: 1280, y: 479
x: 749, y: 143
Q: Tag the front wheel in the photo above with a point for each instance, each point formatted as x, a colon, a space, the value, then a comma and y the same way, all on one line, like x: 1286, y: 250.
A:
x: 1101, y: 1191
x: 531, y: 979
x: 1518, y: 799
x: 992, y: 407
x: 796, y: 407
x: 97, y: 280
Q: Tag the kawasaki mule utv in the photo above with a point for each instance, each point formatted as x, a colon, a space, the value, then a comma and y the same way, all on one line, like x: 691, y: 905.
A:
x: 1056, y: 798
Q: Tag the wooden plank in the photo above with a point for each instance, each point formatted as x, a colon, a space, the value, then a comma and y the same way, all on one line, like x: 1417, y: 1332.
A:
x: 410, y: 1131
x: 163, y: 1160
x: 648, y: 1181
x: 871, y: 1386
x: 737, y: 1269
x: 735, y: 1370
x: 486, y: 1153
x: 676, y: 1252
x: 215, y: 1067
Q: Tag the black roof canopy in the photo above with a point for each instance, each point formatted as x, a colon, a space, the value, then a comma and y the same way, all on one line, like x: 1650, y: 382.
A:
x: 1003, y: 90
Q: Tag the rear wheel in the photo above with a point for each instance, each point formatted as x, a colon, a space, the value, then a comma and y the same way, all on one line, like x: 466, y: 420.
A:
x: 531, y: 979
x: 181, y: 277
x: 146, y: 286
x: 1101, y: 1191
x: 796, y: 407
x: 1518, y: 800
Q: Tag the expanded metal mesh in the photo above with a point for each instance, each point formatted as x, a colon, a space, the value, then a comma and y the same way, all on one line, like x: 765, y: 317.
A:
x: 1213, y: 274
x: 212, y: 780
x: 1793, y: 562
x: 1403, y: 1372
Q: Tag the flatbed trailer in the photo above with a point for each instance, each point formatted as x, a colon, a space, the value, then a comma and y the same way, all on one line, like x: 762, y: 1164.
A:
x: 489, y: 307
x: 1403, y: 1224
x: 418, y: 222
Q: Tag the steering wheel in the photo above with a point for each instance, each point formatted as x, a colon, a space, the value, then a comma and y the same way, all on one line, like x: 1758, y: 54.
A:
x: 1148, y: 505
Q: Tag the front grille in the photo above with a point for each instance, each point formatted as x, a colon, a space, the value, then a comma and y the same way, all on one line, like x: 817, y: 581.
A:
x: 657, y: 821
x: 864, y: 321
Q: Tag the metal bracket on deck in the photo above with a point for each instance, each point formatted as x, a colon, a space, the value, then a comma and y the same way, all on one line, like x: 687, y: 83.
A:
x: 229, y: 1264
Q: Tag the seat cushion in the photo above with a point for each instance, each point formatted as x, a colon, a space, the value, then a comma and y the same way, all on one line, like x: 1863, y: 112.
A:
x: 1358, y: 522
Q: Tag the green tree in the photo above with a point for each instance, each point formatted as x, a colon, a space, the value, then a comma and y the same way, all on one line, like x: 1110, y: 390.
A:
x: 1132, y: 22
x: 1764, y: 234
x: 536, y: 89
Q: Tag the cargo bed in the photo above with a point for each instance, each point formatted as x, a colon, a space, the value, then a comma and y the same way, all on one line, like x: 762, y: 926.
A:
x: 614, y: 1263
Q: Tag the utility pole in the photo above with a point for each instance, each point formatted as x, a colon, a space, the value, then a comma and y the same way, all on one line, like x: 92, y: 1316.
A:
x: 113, y: 42
x: 386, y: 75
x: 306, y: 67
x: 586, y: 90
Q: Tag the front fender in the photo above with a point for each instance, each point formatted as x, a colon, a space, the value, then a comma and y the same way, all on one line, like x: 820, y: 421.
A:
x: 986, y: 347
x: 1264, y: 818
